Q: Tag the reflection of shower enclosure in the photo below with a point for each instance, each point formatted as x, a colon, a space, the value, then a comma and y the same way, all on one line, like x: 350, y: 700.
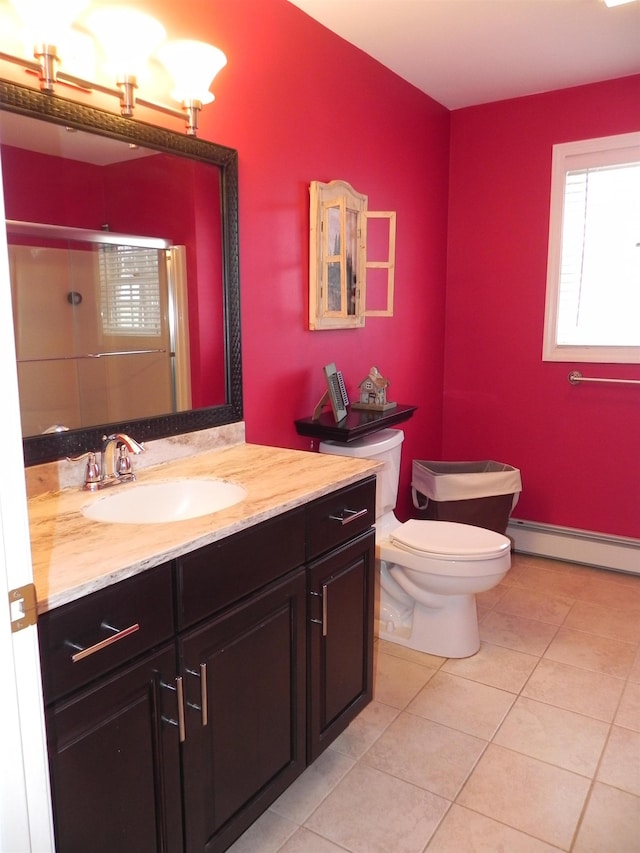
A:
x: 99, y: 338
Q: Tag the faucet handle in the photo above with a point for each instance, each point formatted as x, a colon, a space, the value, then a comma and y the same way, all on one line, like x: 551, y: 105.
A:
x: 92, y: 472
x: 123, y: 466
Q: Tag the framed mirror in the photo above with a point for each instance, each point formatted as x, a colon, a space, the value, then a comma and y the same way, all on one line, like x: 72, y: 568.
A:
x: 189, y: 202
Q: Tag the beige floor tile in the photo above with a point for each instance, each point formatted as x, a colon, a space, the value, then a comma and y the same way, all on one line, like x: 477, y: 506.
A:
x: 575, y: 689
x: 396, y: 680
x: 427, y: 754
x: 266, y: 835
x: 607, y: 592
x: 627, y: 579
x: 539, y: 578
x: 310, y: 789
x: 464, y: 831
x: 599, y: 654
x: 365, y: 729
x: 303, y: 841
x: 495, y: 666
x: 560, y: 737
x: 628, y: 715
x: 605, y: 622
x: 634, y: 672
x: 372, y: 812
x: 564, y: 568
x: 527, y: 794
x: 468, y: 706
x: 482, y: 612
x: 620, y: 766
x: 534, y: 604
x: 515, y: 632
x: 398, y: 651
x: 611, y: 823
x: 492, y: 596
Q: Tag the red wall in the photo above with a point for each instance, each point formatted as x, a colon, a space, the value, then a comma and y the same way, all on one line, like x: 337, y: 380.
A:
x: 300, y: 105
x: 576, y: 446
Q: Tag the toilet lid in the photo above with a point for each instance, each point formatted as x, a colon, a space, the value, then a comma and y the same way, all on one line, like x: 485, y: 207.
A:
x: 449, y: 539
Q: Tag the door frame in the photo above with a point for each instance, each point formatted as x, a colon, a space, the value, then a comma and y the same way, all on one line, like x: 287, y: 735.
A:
x: 26, y: 822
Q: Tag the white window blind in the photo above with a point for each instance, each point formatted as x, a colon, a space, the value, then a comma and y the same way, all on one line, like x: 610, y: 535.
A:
x: 130, y: 291
x: 600, y: 271
x: 593, y: 275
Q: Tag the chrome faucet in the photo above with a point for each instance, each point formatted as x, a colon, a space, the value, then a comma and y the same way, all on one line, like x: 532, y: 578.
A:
x: 115, y: 464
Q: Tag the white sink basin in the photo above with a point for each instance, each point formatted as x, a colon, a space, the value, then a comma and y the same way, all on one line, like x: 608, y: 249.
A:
x: 158, y: 503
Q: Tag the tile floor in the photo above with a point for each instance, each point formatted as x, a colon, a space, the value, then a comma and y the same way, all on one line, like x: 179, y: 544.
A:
x: 530, y: 746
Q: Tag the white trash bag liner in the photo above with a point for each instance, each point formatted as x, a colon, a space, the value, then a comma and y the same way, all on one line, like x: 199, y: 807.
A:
x: 460, y: 481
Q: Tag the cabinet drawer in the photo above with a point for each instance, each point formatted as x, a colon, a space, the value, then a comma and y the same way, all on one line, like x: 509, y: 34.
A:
x: 224, y: 572
x: 89, y: 637
x: 340, y: 516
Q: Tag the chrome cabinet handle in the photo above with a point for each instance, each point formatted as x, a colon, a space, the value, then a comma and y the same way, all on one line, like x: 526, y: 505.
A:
x: 203, y: 694
x: 324, y: 620
x: 349, y: 515
x: 203, y: 707
x: 324, y: 609
x: 180, y: 696
x: 178, y: 689
x: 108, y: 641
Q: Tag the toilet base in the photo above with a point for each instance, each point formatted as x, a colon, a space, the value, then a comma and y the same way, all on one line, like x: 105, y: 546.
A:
x: 449, y: 631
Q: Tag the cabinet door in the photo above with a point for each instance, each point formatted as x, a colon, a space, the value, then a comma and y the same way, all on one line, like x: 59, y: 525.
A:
x: 341, y: 588
x: 115, y: 763
x: 245, y: 688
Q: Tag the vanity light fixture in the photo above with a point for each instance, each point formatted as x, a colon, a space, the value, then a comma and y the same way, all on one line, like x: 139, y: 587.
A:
x: 128, y: 39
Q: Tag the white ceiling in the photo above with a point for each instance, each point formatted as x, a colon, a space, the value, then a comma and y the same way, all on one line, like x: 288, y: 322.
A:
x: 465, y: 52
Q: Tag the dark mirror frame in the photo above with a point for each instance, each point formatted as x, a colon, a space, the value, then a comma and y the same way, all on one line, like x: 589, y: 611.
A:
x: 29, y: 102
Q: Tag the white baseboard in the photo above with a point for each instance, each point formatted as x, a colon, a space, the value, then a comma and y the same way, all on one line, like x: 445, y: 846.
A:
x: 577, y: 546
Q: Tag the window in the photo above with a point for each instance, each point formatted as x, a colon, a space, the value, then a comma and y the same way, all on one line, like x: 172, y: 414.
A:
x: 130, y: 291
x: 593, y: 273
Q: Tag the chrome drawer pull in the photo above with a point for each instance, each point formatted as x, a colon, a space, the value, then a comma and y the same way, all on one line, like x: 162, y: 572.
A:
x: 349, y: 515
x: 97, y: 647
x: 203, y: 707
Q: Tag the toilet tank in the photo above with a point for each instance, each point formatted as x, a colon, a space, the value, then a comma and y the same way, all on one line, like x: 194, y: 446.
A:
x: 382, y: 446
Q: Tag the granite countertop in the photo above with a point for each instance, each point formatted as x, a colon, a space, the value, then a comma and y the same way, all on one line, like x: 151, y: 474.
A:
x: 73, y: 556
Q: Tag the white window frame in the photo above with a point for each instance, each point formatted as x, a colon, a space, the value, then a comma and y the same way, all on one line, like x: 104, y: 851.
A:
x: 571, y: 156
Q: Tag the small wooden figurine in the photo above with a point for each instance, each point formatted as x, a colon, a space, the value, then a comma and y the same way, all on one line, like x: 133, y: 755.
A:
x: 373, y: 393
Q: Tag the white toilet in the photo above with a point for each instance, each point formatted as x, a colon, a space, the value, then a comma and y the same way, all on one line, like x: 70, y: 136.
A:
x: 430, y: 571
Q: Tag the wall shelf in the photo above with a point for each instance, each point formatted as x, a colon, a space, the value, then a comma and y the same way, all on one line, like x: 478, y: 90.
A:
x: 357, y: 424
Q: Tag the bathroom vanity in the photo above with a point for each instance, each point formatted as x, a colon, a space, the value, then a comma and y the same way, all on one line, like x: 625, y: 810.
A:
x: 191, y: 671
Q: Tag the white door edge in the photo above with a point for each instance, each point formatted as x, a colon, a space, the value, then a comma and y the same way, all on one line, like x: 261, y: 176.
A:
x: 26, y: 824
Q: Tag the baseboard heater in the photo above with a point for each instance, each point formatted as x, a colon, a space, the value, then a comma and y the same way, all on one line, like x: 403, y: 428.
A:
x: 619, y: 553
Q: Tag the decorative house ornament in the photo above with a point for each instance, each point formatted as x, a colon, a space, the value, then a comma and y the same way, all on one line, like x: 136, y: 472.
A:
x: 348, y: 253
x: 373, y: 393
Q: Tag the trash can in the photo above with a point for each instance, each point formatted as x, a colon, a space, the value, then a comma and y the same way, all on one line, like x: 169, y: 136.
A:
x: 479, y: 493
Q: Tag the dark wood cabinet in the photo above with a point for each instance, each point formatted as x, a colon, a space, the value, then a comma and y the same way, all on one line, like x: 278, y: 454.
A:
x: 109, y: 669
x: 182, y: 702
x: 115, y: 763
x: 341, y: 585
x: 249, y: 745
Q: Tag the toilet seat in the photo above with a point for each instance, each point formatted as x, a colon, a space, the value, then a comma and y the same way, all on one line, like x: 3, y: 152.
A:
x: 449, y: 540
